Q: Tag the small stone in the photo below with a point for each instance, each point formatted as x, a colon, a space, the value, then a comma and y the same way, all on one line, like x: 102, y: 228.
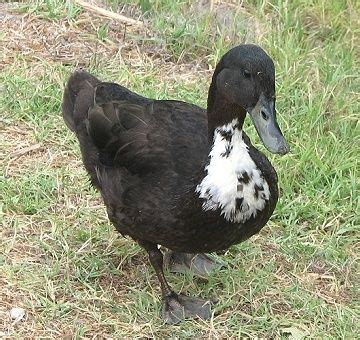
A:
x: 17, y: 313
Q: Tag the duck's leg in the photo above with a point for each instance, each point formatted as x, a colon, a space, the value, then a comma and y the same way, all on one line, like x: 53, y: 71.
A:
x: 176, y: 307
x: 198, y: 264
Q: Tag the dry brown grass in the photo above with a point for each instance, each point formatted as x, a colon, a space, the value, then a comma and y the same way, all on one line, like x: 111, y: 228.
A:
x: 68, y: 42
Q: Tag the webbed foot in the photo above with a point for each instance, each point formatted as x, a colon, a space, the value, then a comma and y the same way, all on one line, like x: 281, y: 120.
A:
x: 178, y: 307
x: 198, y: 264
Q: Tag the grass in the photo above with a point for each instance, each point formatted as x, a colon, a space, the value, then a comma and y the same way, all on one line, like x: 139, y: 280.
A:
x: 63, y: 262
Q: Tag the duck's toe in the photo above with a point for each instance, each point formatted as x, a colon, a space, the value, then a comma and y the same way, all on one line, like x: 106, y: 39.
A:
x: 198, y: 264
x: 179, y: 307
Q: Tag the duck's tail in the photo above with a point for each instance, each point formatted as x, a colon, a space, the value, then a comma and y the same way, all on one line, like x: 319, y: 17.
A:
x: 78, y: 98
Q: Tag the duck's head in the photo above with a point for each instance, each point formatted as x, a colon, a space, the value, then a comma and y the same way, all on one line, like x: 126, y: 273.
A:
x: 244, y: 82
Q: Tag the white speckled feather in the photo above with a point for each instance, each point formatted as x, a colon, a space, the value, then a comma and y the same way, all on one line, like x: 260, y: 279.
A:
x: 221, y: 188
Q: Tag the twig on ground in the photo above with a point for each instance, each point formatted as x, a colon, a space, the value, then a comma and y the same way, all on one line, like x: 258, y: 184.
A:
x: 24, y: 151
x: 108, y: 14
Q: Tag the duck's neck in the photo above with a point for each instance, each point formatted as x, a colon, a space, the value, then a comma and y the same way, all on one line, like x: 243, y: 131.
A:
x: 220, y: 111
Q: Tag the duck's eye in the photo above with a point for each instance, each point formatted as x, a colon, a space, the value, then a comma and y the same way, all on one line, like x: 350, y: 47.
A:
x: 247, y: 74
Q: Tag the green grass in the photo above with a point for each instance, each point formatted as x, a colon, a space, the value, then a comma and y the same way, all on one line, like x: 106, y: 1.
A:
x: 75, y: 276
x: 52, y: 9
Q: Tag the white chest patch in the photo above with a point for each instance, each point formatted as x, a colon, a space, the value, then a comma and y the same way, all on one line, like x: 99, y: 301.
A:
x: 233, y: 183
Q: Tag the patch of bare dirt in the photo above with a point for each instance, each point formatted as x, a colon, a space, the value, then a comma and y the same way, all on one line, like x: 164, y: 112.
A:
x: 10, y: 297
x: 21, y: 152
x: 328, y: 283
x: 65, y: 41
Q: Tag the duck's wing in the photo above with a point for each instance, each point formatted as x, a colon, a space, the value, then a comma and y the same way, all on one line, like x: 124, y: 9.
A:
x: 121, y: 131
x: 146, y: 137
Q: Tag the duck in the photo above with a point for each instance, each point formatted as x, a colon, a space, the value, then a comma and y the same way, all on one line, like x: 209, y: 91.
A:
x: 180, y: 180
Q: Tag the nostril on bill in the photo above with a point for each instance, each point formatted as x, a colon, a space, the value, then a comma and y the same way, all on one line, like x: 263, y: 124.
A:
x: 264, y: 115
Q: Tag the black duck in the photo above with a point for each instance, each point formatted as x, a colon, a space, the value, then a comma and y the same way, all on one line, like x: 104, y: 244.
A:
x: 176, y: 175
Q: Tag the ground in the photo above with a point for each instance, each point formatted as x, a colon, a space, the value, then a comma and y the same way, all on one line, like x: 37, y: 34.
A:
x: 61, y: 260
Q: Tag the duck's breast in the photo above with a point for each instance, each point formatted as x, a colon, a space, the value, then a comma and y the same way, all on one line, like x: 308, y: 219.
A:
x: 233, y: 184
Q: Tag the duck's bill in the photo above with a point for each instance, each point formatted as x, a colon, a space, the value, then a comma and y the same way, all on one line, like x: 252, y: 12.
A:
x: 263, y: 116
